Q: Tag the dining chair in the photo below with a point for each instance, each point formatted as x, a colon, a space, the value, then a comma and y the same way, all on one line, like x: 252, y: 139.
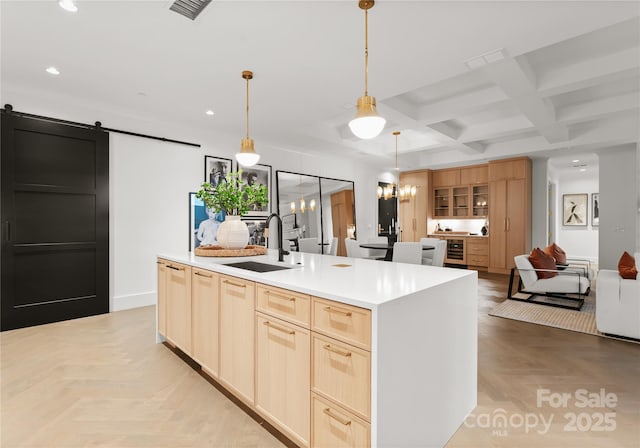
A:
x: 309, y: 245
x: 376, y: 253
x: 434, y: 257
x: 333, y: 249
x: 407, y: 252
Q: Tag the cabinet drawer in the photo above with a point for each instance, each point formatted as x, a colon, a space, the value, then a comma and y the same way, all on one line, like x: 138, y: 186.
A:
x: 478, y: 260
x: 345, y: 322
x: 333, y: 427
x: 477, y: 249
x: 343, y: 373
x: 285, y: 304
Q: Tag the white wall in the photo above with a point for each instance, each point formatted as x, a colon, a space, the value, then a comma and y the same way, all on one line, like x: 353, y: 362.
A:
x: 577, y: 241
x: 618, y: 204
x: 150, y: 181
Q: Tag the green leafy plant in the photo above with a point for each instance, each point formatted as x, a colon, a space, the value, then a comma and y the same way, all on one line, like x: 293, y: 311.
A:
x: 232, y: 195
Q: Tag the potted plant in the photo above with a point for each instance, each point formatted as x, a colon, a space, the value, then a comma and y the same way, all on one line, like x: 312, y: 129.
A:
x: 234, y: 198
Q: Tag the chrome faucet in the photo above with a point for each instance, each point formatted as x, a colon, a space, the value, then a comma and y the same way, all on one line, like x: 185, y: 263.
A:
x: 281, y: 251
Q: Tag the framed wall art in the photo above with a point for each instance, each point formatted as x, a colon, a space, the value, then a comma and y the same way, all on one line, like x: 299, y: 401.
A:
x: 258, y: 174
x: 595, y: 209
x: 216, y: 168
x: 256, y: 230
x: 203, y: 223
x: 574, y: 208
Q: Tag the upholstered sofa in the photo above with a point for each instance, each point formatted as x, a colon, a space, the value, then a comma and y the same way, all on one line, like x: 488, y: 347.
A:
x: 618, y: 303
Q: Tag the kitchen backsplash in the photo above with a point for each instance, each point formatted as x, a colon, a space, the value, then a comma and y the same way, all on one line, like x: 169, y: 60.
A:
x: 457, y: 225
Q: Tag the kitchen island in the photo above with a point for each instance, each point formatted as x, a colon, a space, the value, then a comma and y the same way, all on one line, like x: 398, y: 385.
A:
x: 332, y: 351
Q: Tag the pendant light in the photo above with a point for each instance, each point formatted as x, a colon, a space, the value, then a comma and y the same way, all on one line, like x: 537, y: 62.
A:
x: 394, y: 190
x: 247, y: 155
x: 303, y: 203
x: 367, y: 123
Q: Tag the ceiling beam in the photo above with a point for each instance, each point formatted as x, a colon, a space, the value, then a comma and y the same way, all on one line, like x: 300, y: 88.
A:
x: 517, y: 81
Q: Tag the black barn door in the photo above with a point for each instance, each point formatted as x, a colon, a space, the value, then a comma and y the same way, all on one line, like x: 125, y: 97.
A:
x: 55, y: 222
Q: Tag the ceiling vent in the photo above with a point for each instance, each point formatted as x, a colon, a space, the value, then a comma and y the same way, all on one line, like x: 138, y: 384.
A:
x: 189, y: 8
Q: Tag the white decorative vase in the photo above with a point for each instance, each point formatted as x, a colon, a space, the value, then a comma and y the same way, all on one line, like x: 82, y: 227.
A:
x: 233, y: 233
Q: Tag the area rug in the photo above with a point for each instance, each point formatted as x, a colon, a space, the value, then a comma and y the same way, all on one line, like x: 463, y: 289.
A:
x: 583, y: 321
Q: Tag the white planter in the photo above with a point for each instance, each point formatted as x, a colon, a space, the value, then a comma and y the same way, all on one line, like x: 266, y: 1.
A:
x: 233, y: 233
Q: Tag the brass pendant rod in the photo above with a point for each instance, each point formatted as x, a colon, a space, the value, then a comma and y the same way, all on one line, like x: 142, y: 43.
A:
x: 247, y: 107
x: 366, y: 52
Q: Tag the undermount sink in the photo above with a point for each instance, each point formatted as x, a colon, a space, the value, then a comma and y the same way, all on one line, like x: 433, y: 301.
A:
x: 256, y: 266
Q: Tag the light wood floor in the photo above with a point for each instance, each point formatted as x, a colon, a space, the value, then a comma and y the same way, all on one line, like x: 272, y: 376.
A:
x: 103, y: 382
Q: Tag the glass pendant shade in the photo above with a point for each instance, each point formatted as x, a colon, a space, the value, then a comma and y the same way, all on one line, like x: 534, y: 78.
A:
x: 293, y: 207
x: 367, y: 123
x: 312, y: 204
x: 247, y: 155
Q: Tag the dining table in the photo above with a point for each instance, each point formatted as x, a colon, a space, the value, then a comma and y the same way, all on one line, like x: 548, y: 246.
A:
x: 389, y: 248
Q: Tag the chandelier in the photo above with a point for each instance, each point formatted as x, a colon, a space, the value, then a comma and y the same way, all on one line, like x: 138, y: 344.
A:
x: 303, y: 203
x: 395, y: 190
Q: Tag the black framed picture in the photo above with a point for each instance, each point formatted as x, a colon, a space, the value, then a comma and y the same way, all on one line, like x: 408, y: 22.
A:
x: 595, y: 209
x: 203, y: 223
x: 258, y: 174
x: 574, y: 208
x: 216, y: 169
x: 256, y: 228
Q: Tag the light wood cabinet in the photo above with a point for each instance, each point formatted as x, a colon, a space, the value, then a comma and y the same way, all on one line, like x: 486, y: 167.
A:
x: 161, y: 310
x: 477, y: 252
x: 335, y: 427
x: 414, y: 210
x: 446, y: 178
x: 478, y: 174
x: 205, y: 305
x: 480, y: 201
x: 338, y: 320
x: 178, y: 299
x: 283, y: 363
x: 509, y: 213
x: 237, y: 325
x: 342, y: 217
x: 342, y: 372
x: 285, y: 304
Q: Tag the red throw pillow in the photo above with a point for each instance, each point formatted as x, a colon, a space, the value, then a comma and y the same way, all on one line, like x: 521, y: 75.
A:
x: 555, y: 251
x: 627, y: 267
x: 540, y: 260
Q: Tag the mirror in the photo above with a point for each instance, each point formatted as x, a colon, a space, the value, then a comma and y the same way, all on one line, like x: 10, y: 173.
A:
x: 299, y: 208
x: 329, y: 211
x: 338, y: 212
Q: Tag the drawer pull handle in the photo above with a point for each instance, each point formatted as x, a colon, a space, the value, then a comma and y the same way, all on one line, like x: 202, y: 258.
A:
x: 337, y: 350
x: 239, y: 285
x: 279, y: 296
x: 337, y: 418
x: 203, y: 275
x: 175, y: 268
x: 337, y: 310
x: 276, y: 327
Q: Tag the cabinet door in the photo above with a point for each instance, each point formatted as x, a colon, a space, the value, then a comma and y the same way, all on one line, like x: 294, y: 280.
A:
x: 237, y: 323
x: 179, y: 306
x: 474, y: 175
x: 461, y: 202
x: 334, y: 427
x: 441, y: 202
x: 497, y: 224
x: 480, y: 201
x: 205, y: 303
x: 283, y: 375
x: 446, y: 178
x: 516, y: 215
x: 161, y: 309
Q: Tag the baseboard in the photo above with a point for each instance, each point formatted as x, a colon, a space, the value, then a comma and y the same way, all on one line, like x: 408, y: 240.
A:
x: 120, y: 303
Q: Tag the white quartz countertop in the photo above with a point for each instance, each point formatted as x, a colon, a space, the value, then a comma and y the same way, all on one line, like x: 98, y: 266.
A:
x: 364, y: 283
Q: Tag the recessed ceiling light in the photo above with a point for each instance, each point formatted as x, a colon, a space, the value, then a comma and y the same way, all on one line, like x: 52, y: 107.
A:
x: 575, y: 160
x: 68, y: 5
x: 210, y: 112
x: 53, y: 71
x: 583, y: 169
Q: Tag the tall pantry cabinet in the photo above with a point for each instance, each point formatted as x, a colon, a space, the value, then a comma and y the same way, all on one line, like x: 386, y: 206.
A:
x: 509, y: 212
x: 414, y: 211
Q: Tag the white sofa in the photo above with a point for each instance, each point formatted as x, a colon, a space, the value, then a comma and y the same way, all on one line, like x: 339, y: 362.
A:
x: 618, y: 303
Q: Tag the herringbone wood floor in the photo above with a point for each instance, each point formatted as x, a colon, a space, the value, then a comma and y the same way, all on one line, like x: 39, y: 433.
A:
x: 103, y: 382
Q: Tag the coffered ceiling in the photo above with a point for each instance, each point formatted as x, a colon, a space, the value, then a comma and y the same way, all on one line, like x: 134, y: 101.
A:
x: 464, y: 82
